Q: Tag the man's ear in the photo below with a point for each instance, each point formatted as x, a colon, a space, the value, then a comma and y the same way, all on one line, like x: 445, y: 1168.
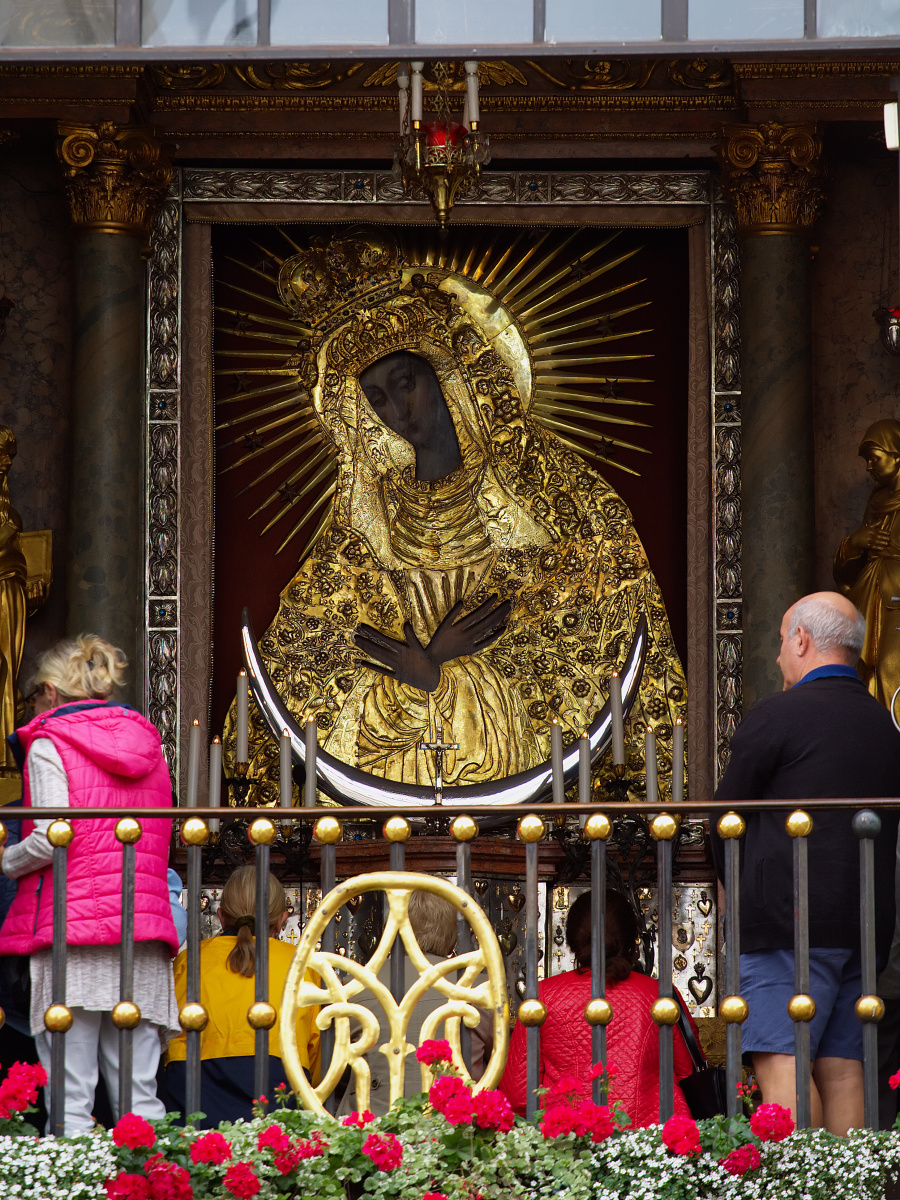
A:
x: 804, y: 641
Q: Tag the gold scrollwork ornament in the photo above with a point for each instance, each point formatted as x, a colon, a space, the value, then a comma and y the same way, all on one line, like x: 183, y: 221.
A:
x: 774, y: 176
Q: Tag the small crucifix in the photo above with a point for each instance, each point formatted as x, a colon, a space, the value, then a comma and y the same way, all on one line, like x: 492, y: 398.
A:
x: 439, y: 746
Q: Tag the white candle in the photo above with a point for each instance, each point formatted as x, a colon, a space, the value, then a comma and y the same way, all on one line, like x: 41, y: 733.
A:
x: 650, y: 766
x: 678, y: 761
x: 193, y: 764
x: 416, y: 95
x: 215, y: 781
x: 472, y: 90
x: 403, y: 89
x: 556, y: 761
x: 312, y: 745
x: 618, y: 722
x: 287, y: 782
x: 584, y: 775
x: 242, y: 718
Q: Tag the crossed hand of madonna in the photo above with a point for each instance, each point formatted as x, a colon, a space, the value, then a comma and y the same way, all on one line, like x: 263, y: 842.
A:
x: 419, y: 666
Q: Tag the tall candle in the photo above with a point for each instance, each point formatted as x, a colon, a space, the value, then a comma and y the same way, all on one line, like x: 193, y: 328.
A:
x: 618, y: 721
x: 472, y: 90
x: 242, y: 718
x: 287, y: 781
x: 215, y: 781
x: 312, y: 745
x: 416, y: 93
x: 193, y: 764
x: 678, y: 761
x: 556, y: 761
x: 650, y: 766
x: 584, y: 775
x: 403, y: 89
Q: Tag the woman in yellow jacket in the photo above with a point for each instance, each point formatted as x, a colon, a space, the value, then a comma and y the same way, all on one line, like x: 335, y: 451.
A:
x: 227, y: 987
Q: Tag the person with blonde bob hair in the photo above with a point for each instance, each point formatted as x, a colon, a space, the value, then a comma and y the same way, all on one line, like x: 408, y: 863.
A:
x: 84, y: 749
x: 227, y: 990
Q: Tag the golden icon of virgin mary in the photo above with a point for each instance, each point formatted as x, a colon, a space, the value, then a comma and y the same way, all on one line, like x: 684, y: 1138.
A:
x: 473, y: 573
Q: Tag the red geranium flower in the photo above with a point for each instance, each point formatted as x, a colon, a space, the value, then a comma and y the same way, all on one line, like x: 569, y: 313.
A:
x: 460, y: 1109
x: 435, y: 1050
x: 242, y: 1181
x: 384, y: 1150
x: 894, y: 1081
x: 772, y: 1123
x: 168, y: 1181
x: 594, y: 1121
x: 681, y: 1136
x: 558, y: 1121
x: 566, y: 1088
x: 493, y: 1111
x: 739, y: 1162
x: 19, y: 1089
x: 133, y: 1131
x: 211, y: 1148
x: 359, y: 1119
x: 273, y: 1137
x: 127, y: 1187
x: 444, y: 1089
x: 434, y: 1196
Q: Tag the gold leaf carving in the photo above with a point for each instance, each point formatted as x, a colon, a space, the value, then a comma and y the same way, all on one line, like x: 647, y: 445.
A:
x: 294, y: 76
x: 186, y: 77
x: 496, y: 71
x: 705, y: 74
x: 773, y: 175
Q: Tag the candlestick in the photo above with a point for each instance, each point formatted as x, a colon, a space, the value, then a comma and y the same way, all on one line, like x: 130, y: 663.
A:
x: 215, y: 781
x: 618, y: 721
x: 678, y: 761
x: 466, y: 117
x: 242, y: 718
x: 416, y: 92
x: 472, y: 90
x: 403, y: 88
x: 312, y: 745
x: 584, y: 774
x: 287, y: 782
x: 650, y: 766
x: 556, y: 761
x: 193, y: 764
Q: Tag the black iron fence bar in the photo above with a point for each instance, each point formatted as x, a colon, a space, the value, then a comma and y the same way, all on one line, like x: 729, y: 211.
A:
x: 327, y: 831
x: 532, y: 1013
x: 58, y: 1017
x: 598, y: 1011
x: 193, y: 1016
x: 397, y: 830
x: 126, y: 1014
x: 666, y: 1010
x: 869, y: 1007
x: 801, y: 1007
x: 733, y: 1008
x: 261, y: 1016
x: 463, y: 829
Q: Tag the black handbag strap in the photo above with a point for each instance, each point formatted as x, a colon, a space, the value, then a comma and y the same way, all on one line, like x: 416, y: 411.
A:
x: 688, y: 1034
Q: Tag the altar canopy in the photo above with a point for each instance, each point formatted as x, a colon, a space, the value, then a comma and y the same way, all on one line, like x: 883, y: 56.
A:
x: 523, y: 371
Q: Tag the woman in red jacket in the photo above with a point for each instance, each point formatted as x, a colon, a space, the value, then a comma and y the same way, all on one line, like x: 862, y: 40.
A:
x: 632, y: 1035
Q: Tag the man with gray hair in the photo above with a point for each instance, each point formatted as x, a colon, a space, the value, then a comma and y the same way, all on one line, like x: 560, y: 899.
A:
x: 822, y: 736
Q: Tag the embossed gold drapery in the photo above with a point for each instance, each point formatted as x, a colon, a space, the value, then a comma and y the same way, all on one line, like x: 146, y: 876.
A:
x: 523, y: 517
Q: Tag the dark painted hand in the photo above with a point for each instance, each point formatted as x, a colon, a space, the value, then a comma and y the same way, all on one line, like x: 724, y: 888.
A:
x: 457, y: 636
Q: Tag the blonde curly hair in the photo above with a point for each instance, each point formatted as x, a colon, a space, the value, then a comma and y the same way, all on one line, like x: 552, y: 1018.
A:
x: 83, y: 668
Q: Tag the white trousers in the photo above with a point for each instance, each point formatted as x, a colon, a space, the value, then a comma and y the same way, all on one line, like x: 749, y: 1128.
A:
x: 92, y: 1044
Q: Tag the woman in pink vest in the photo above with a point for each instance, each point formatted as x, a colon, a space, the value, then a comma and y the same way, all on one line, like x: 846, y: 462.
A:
x: 85, y: 750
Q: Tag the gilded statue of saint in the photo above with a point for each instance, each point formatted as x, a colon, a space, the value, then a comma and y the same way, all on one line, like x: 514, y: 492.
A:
x: 474, y: 573
x: 867, y: 562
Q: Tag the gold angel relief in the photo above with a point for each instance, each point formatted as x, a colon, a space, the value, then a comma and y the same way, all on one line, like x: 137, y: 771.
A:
x: 481, y: 986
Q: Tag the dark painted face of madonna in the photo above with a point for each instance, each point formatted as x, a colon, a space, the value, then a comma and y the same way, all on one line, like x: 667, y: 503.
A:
x: 404, y: 392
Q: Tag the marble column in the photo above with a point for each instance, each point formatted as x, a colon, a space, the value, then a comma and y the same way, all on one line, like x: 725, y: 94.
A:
x: 116, y: 179
x: 773, y: 177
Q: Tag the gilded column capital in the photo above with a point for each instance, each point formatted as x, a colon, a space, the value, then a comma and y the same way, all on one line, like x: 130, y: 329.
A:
x: 116, y: 177
x: 773, y: 175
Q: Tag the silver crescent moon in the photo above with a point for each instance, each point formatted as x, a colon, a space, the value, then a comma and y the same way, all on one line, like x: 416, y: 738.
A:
x: 349, y: 785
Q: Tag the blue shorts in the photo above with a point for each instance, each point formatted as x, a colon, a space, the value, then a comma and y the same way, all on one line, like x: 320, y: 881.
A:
x: 835, y: 983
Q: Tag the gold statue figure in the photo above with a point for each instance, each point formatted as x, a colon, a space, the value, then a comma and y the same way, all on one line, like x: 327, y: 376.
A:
x: 867, y: 562
x: 474, y: 572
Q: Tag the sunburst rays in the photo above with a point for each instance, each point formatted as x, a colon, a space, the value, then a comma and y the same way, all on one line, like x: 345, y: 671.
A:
x: 583, y: 358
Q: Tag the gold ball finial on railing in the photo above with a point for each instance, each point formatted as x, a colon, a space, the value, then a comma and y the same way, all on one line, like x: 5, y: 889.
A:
x: 734, y: 1010
x: 665, y: 1011
x: 262, y: 832
x: 2, y: 1018
x: 327, y: 831
x: 531, y: 829
x: 3, y: 834
x: 464, y: 828
x: 128, y: 831
x: 396, y: 829
x: 194, y: 832
x: 869, y: 1009
x: 799, y: 824
x: 664, y: 827
x: 193, y: 1018
x: 58, y: 1018
x: 598, y: 1012
x: 597, y: 828
x: 126, y: 1015
x: 801, y: 1007
x: 60, y: 833
x: 261, y: 1015
x: 731, y: 825
x: 532, y: 1013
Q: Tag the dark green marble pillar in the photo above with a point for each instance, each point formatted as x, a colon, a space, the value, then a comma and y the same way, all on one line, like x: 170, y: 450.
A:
x: 104, y: 579
x: 777, y: 487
